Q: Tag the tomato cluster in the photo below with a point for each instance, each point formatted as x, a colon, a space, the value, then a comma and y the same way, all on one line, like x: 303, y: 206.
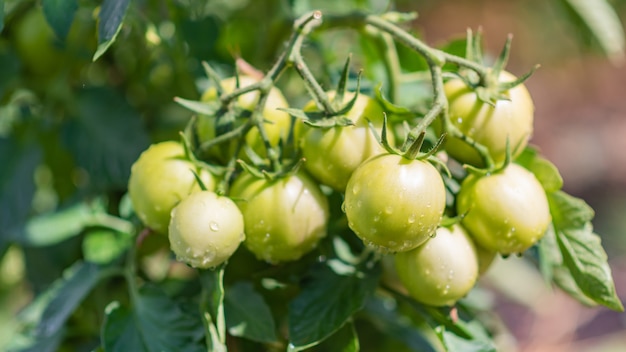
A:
x: 395, y: 201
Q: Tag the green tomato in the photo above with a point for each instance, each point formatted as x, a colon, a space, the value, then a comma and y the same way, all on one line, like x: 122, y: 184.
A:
x: 442, y: 270
x: 332, y: 154
x: 488, y: 125
x: 277, y: 125
x: 160, y: 179
x: 205, y: 229
x: 505, y: 212
x: 284, y: 218
x: 394, y: 204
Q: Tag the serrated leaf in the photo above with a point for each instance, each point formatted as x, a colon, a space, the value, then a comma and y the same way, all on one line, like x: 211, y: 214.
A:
x: 546, y: 173
x: 582, y: 250
x: 17, y: 185
x: 327, y: 300
x: 604, y: 24
x: 60, y: 14
x: 44, y: 319
x: 154, y: 323
x: 105, y: 138
x: 247, y: 314
x: 111, y: 16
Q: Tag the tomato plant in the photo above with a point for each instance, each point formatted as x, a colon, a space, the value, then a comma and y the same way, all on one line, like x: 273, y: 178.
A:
x: 285, y: 218
x: 442, y: 270
x: 328, y: 201
x: 205, y: 229
x: 159, y: 180
x: 332, y: 154
x: 508, y: 120
x: 393, y: 203
x: 506, y: 212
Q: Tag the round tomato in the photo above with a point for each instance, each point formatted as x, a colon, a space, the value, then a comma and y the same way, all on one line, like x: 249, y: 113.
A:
x: 394, y: 204
x: 205, y: 229
x: 332, y: 154
x: 491, y: 126
x: 276, y: 127
x: 159, y: 180
x: 442, y: 270
x: 505, y: 212
x: 284, y: 218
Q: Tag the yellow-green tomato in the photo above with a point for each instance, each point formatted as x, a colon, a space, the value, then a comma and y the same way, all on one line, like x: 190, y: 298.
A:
x: 332, y: 154
x: 160, y: 179
x: 285, y: 218
x: 442, y: 270
x: 505, y: 212
x: 491, y: 126
x: 205, y: 229
x: 394, y: 204
x: 276, y: 127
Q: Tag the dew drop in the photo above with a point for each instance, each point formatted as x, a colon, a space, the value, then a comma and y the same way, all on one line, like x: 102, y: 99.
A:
x: 388, y: 209
x: 214, y: 226
x: 376, y: 218
x: 411, y: 218
x: 359, y: 204
x: 356, y: 188
x: 266, y: 237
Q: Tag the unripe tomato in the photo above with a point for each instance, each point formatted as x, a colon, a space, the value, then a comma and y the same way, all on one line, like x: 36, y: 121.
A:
x: 505, y: 212
x: 442, y: 270
x: 394, y: 204
x: 205, y: 229
x: 160, y: 179
x: 284, y: 218
x: 489, y: 125
x: 276, y: 128
x: 332, y: 154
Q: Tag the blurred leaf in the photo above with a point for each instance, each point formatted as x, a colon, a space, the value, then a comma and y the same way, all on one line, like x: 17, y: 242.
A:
x: 604, y: 24
x: 44, y: 319
x: 546, y: 173
x: 154, y: 323
x: 9, y: 67
x: 213, y: 303
x: 390, y: 322
x: 60, y: 14
x: 247, y: 314
x: 111, y: 16
x: 480, y: 341
x: 327, y: 300
x: 582, y: 251
x: 344, y: 340
x: 103, y: 246
x: 17, y: 185
x: 564, y: 280
x: 199, y: 107
x: 106, y: 137
x: 1, y: 15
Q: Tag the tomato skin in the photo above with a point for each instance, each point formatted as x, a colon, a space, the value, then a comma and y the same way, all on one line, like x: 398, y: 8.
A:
x: 159, y: 180
x: 506, y: 212
x: 277, y: 128
x: 488, y: 125
x: 205, y: 229
x: 394, y: 204
x: 284, y: 218
x: 442, y: 270
x: 332, y: 154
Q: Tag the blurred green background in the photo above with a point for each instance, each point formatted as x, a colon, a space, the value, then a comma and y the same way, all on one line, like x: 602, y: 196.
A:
x: 70, y: 127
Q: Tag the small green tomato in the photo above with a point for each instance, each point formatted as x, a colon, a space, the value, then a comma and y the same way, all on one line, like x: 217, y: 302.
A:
x: 205, y: 229
x: 442, y: 270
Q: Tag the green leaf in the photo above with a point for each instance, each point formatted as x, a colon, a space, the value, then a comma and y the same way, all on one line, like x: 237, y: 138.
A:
x: 44, y: 319
x: 604, y: 24
x: 582, y: 251
x: 453, y: 342
x: 247, y: 314
x: 564, y: 280
x: 17, y: 185
x: 103, y: 246
x: 344, y: 340
x: 60, y: 14
x: 213, y: 306
x: 385, y: 316
x: 111, y: 16
x: 1, y: 15
x: 546, y: 172
x: 327, y: 300
x: 48, y: 229
x: 154, y: 323
x: 199, y: 107
x: 106, y: 137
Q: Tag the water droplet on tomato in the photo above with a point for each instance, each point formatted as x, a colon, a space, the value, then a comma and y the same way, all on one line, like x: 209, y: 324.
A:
x: 388, y: 209
x: 214, y: 226
x: 411, y: 218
